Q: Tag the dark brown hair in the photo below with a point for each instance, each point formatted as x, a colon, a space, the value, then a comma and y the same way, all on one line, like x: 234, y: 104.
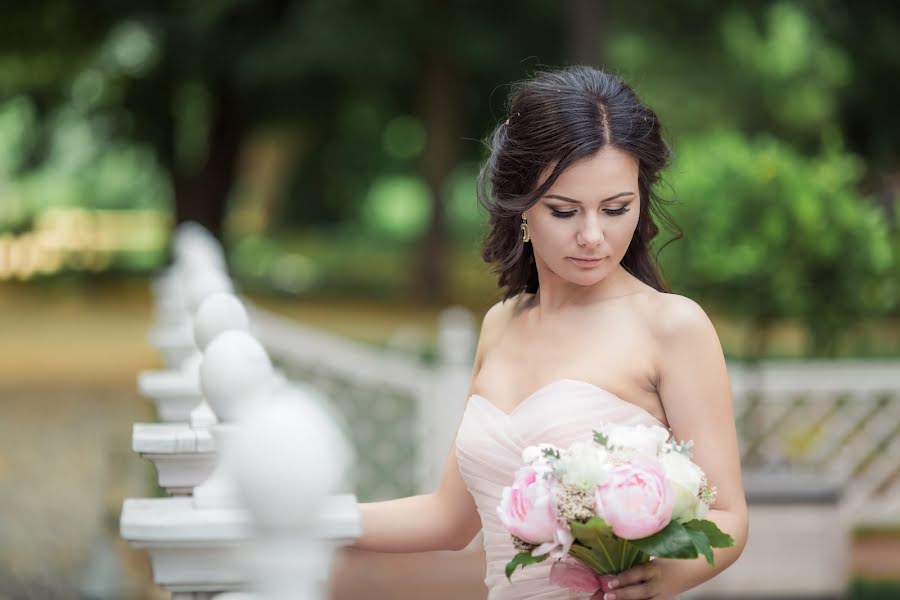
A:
x: 556, y: 119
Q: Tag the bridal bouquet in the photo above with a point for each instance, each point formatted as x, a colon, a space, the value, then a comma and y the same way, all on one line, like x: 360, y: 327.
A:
x: 612, y: 503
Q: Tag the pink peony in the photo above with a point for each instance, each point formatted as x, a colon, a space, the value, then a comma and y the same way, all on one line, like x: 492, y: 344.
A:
x: 527, y: 508
x: 636, y: 500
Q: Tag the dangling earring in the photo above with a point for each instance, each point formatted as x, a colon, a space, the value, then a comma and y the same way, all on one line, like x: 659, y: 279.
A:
x: 525, y: 235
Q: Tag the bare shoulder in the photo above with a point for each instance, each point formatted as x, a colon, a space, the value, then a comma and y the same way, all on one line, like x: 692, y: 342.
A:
x: 500, y: 314
x: 496, y: 320
x: 680, y: 319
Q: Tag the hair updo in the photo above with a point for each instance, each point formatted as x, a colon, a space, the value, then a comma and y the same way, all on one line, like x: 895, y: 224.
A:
x: 557, y: 119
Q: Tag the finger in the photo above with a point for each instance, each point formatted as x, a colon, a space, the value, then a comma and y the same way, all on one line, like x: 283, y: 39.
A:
x: 635, y: 574
x: 638, y: 591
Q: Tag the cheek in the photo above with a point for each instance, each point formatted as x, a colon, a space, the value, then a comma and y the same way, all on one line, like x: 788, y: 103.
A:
x: 622, y: 234
x: 548, y: 235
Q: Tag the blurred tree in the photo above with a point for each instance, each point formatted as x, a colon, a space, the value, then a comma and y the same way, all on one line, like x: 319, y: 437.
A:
x: 770, y: 235
x: 194, y: 80
x: 869, y: 32
x: 370, y: 91
x: 809, y: 72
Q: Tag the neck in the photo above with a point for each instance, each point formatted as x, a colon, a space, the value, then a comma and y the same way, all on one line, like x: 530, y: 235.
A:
x: 556, y: 295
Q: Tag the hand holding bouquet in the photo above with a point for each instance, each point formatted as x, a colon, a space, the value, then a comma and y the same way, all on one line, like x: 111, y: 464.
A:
x: 611, y: 504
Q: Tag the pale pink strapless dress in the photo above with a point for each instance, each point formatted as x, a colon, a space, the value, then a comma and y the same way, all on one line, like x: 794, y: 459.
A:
x: 489, y: 448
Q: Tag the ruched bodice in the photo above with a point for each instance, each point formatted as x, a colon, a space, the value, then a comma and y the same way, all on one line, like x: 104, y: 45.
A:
x: 489, y: 448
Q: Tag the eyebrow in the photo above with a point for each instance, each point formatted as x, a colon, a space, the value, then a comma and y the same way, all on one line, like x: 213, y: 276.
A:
x: 567, y: 199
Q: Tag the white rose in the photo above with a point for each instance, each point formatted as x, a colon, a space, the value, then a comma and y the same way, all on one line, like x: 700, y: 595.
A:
x: 700, y: 511
x: 534, y: 455
x: 639, y: 439
x: 685, y: 477
x: 585, y: 466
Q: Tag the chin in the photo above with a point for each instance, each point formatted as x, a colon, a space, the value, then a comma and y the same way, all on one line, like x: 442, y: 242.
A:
x: 585, y: 278
x: 573, y: 274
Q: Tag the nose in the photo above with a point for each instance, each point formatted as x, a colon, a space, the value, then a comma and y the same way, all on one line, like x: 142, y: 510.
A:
x: 590, y: 235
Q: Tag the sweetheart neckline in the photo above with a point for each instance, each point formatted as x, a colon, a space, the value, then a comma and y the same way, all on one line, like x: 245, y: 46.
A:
x: 555, y: 382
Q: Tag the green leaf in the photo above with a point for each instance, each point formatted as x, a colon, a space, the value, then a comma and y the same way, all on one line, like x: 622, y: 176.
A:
x: 523, y: 559
x: 596, y: 534
x: 671, y: 542
x: 717, y: 538
x: 551, y: 453
x: 594, y: 561
x: 601, y: 439
x: 701, y: 543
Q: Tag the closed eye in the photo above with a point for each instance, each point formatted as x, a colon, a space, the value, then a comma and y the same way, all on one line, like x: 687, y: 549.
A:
x: 559, y: 214
x: 616, y: 211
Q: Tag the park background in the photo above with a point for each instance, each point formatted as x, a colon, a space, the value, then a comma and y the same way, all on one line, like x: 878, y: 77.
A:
x: 333, y: 147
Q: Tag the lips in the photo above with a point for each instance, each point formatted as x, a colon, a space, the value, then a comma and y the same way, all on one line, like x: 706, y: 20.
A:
x: 585, y: 262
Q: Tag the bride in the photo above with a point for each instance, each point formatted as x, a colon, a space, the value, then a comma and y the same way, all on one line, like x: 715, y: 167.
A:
x: 587, y: 332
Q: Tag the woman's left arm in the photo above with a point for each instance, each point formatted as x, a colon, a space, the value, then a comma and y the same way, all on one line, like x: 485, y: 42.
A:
x: 696, y: 395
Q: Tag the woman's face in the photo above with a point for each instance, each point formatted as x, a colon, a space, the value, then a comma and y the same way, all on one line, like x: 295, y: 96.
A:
x: 590, y: 212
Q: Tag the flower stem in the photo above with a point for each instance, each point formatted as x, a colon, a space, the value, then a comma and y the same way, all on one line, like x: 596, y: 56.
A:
x: 612, y: 563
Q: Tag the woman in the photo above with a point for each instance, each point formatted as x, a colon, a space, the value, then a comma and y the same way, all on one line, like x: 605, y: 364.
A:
x: 587, y: 332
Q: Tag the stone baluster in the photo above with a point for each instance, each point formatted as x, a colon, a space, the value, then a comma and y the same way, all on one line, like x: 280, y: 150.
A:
x: 175, y: 390
x: 235, y: 374
x: 199, y: 545
x: 175, y: 340
x: 289, y: 459
x: 195, y: 545
x: 199, y: 269
x: 184, y: 453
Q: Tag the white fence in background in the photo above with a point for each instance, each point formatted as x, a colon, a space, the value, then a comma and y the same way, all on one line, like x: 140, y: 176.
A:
x: 401, y: 414
x: 839, y: 418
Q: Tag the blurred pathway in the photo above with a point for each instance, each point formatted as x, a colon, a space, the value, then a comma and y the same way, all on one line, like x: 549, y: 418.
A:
x: 67, y: 402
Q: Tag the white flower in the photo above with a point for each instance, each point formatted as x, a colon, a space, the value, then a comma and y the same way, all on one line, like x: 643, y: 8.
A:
x: 700, y: 511
x: 686, y: 478
x: 585, y: 466
x: 559, y: 547
x: 639, y: 440
x: 534, y: 457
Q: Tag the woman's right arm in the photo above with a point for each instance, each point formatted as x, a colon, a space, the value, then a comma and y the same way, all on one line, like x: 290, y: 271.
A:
x: 445, y: 519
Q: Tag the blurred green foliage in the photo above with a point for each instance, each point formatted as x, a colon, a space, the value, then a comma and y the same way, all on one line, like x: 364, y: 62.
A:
x: 78, y: 168
x: 862, y: 589
x: 770, y: 234
x: 784, y: 130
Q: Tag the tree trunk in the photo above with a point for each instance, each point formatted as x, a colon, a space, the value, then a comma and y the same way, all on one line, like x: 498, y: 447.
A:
x: 202, y: 196
x: 441, y: 121
x: 757, y: 342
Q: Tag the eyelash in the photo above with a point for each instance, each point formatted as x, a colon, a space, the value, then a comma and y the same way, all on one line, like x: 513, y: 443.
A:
x: 565, y: 215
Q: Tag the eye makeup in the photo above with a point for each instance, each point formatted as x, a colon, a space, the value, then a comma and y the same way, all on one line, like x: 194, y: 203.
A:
x: 615, y: 212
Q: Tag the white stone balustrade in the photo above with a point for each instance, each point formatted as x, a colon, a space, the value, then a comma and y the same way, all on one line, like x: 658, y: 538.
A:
x: 184, y: 453
x: 288, y: 461
x: 175, y: 341
x: 199, y: 270
x: 199, y: 545
x: 235, y: 375
x: 184, y: 457
x: 193, y: 546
